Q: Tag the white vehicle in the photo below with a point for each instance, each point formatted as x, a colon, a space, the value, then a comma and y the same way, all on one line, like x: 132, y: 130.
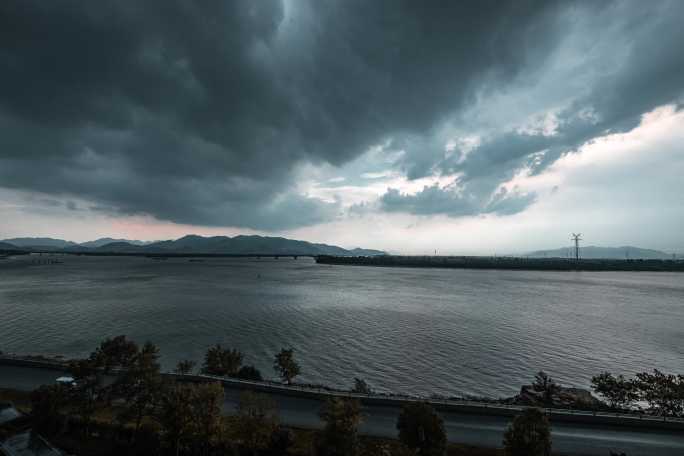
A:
x: 66, y: 381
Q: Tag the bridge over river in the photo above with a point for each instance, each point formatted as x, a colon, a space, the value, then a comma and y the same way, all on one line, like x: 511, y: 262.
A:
x: 158, y: 255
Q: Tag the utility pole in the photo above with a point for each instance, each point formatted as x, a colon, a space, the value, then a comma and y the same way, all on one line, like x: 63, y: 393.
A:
x: 576, y: 237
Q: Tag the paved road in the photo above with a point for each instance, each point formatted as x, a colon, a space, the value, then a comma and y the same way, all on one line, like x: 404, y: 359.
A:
x: 568, y: 438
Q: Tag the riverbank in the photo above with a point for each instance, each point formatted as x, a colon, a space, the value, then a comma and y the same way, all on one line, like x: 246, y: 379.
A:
x: 512, y: 263
x: 483, y: 407
x: 471, y: 433
x: 303, y: 438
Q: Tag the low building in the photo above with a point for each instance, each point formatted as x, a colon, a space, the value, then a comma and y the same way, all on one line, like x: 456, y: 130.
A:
x: 28, y: 443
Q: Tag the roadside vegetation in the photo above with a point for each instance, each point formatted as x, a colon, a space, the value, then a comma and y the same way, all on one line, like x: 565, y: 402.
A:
x: 120, y: 403
x: 664, y: 393
x: 528, y: 435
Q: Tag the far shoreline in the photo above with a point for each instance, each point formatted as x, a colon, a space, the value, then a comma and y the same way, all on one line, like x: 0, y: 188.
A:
x: 504, y: 263
x: 575, y: 412
x: 507, y: 263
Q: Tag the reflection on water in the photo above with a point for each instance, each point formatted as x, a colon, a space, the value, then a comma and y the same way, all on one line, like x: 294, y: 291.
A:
x: 406, y: 330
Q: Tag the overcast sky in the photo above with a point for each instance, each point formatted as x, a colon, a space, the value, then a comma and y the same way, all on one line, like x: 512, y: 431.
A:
x: 466, y: 127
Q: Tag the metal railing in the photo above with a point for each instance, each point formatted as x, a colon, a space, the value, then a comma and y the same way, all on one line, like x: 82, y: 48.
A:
x: 442, y: 403
x: 322, y: 391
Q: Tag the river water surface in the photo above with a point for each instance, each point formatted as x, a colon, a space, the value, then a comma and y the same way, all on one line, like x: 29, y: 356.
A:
x: 416, y: 331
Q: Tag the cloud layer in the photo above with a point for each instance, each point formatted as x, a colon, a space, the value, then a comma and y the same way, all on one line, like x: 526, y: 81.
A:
x: 205, y: 113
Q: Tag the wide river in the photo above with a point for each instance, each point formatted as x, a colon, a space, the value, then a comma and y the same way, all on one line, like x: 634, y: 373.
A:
x: 416, y: 331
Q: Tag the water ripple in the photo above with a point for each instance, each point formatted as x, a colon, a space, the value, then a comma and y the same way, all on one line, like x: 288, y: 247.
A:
x: 407, y: 330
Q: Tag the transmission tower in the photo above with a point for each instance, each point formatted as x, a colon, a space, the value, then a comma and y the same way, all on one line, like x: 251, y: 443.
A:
x: 576, y: 237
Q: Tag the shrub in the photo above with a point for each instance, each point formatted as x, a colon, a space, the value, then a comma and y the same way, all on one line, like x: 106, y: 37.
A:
x: 528, y: 435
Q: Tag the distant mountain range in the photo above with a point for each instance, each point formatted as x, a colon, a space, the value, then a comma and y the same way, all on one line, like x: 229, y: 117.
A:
x: 277, y: 245
x: 189, y: 244
x: 104, y: 241
x: 39, y: 243
x: 594, y: 252
x: 7, y: 246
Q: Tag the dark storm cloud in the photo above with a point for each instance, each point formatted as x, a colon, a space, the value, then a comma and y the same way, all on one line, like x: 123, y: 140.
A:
x: 199, y: 112
x: 652, y: 75
x: 454, y: 203
x: 430, y: 200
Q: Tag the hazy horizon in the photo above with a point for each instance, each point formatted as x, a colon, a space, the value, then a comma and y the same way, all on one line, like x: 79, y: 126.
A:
x: 558, y: 247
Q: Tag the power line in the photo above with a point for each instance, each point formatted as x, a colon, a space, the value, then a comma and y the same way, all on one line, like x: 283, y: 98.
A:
x: 576, y: 237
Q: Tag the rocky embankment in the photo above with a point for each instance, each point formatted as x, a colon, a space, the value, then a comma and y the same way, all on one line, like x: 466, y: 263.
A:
x: 562, y: 397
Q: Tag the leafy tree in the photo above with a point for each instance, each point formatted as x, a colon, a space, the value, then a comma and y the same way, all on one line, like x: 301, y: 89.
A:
x: 257, y: 420
x: 376, y: 447
x: 342, y: 418
x: 89, y: 389
x: 147, y: 441
x: 222, y: 361
x: 185, y: 367
x: 207, y: 401
x: 360, y: 386
x: 118, y: 352
x: 285, y: 365
x: 281, y: 441
x: 546, y: 385
x: 141, y: 386
x: 176, y: 418
x: 47, y: 403
x: 86, y: 390
x: 663, y: 392
x: 422, y: 429
x: 112, y: 353
x: 528, y: 435
x: 618, y: 391
x: 249, y: 373
x: 190, y: 416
